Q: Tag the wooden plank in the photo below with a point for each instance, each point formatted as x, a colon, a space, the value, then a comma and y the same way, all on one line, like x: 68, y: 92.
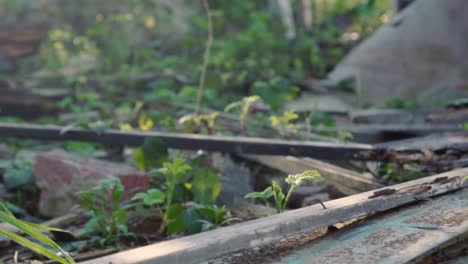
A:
x: 407, y: 235
x: 345, y: 181
x: 409, y: 130
x: 449, y: 116
x: 377, y: 133
x: 435, y: 142
x: 241, y: 145
x: 208, y: 245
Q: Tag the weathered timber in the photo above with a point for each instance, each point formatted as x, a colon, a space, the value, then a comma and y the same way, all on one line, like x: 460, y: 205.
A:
x: 241, y: 145
x: 407, y: 235
x: 388, y: 116
x: 377, y: 133
x: 449, y: 116
x: 435, y: 142
x: 208, y: 245
x: 409, y: 117
x: 401, y: 130
x: 345, y: 181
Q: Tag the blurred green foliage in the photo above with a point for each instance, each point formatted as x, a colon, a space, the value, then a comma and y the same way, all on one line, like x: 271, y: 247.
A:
x: 152, y: 50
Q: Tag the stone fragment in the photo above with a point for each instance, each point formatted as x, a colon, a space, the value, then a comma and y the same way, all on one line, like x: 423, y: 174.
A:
x: 60, y: 175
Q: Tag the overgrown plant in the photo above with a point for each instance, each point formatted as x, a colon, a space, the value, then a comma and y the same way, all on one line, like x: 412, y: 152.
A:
x: 281, y: 199
x: 174, y: 173
x: 243, y: 107
x: 185, y: 201
x: 41, y: 244
x: 103, y: 203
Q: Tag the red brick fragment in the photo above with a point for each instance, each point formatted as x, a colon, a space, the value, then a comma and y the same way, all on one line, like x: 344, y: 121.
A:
x: 60, y: 175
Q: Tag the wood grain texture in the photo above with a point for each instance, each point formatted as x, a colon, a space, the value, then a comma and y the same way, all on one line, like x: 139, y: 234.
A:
x: 407, y: 235
x: 205, y: 246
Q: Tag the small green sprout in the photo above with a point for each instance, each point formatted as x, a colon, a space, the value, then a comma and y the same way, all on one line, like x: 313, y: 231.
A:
x: 283, y: 123
x: 281, y: 200
x: 243, y: 106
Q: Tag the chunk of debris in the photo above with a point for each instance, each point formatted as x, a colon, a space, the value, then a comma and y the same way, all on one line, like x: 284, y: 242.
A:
x: 60, y: 175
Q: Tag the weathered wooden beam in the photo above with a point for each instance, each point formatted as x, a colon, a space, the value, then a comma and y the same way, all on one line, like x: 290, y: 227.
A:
x: 208, y: 245
x: 376, y: 133
x: 345, y: 181
x: 410, y: 130
x: 407, y: 235
x: 241, y: 145
x: 435, y: 142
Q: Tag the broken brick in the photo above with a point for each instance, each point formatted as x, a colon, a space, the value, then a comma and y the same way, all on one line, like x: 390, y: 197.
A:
x: 60, y: 175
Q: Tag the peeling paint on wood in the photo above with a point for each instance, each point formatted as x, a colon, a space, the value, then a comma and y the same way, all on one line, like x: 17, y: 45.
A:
x: 403, y: 236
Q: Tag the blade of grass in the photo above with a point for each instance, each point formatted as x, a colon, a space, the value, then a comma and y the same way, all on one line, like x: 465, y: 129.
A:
x: 25, y: 228
x: 34, y: 247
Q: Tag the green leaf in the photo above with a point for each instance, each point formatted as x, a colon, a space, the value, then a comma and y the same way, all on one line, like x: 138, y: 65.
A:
x: 151, y: 154
x: 279, y: 196
x: 267, y: 193
x: 206, y: 186
x: 151, y: 197
x: 175, y: 223
x: 35, y: 247
x: 31, y: 231
x: 176, y: 171
x: 296, y: 180
x: 183, y: 219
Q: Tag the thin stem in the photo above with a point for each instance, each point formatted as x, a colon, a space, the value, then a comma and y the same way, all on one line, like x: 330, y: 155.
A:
x: 170, y: 191
x: 286, y: 199
x: 206, y: 57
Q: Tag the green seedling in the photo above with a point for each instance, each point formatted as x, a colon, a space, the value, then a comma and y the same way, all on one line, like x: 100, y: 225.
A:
x: 215, y: 216
x: 281, y: 199
x: 284, y: 122
x: 108, y: 215
x: 243, y: 107
x: 174, y: 173
x: 185, y: 202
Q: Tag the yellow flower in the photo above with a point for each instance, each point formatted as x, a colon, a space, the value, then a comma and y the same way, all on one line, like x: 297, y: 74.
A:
x: 150, y: 22
x: 145, y: 122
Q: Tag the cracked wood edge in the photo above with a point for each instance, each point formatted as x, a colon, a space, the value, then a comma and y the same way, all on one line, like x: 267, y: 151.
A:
x: 208, y: 245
